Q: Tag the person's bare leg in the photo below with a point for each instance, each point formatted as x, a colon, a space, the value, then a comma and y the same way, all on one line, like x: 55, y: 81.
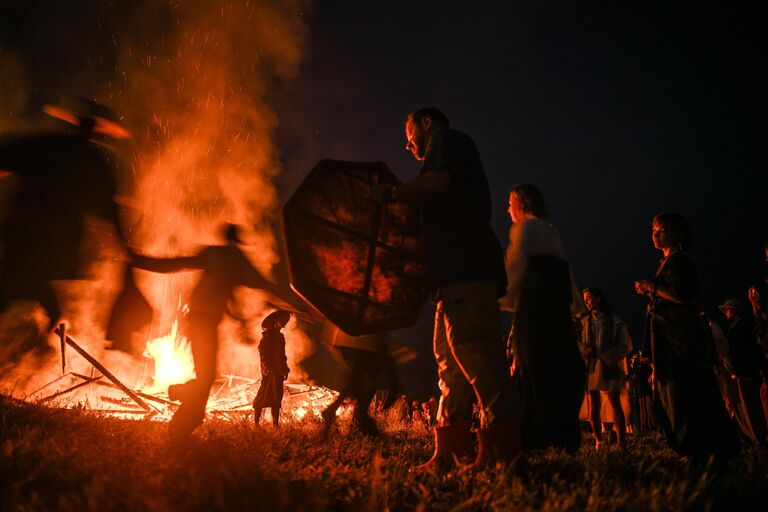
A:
x: 594, y: 416
x: 619, y: 421
x: 257, y: 415
x: 276, y: 417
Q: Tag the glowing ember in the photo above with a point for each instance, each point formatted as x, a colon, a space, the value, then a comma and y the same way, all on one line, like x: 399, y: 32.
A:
x: 172, y: 355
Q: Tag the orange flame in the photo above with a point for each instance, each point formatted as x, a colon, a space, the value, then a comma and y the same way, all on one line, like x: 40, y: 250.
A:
x: 172, y: 355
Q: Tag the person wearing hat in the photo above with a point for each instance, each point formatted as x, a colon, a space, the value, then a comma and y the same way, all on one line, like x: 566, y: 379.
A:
x: 274, y: 366
x: 57, y: 180
x: 748, y: 363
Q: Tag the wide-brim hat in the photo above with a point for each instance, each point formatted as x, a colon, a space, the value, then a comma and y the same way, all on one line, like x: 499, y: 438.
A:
x: 735, y: 304
x: 280, y: 316
x: 73, y: 110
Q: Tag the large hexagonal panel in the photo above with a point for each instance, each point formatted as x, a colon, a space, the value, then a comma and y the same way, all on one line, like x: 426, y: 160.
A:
x: 359, y: 262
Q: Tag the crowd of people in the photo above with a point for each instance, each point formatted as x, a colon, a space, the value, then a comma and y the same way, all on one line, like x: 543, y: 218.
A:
x: 564, y: 343
x: 703, y: 387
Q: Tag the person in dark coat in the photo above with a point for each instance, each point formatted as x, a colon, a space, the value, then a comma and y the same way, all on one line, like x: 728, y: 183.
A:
x: 687, y: 398
x: 224, y: 268
x: 748, y: 364
x: 757, y: 297
x: 274, y: 366
x: 57, y: 181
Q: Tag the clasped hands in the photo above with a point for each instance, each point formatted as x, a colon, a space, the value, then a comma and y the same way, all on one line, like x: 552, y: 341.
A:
x: 644, y: 286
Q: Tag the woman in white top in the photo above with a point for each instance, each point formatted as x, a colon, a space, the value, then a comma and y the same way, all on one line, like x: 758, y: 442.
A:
x: 548, y: 373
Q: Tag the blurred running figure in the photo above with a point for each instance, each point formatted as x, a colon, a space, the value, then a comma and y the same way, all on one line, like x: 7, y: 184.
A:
x: 224, y: 268
x: 363, y: 359
x: 56, y: 182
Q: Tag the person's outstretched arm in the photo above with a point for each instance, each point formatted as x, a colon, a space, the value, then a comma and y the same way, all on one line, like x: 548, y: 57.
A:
x: 165, y: 265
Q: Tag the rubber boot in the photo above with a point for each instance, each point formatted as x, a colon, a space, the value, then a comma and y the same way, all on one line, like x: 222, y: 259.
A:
x: 498, y: 444
x: 452, y: 442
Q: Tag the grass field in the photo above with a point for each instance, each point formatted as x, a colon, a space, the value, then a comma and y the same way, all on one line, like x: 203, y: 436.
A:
x: 65, y: 459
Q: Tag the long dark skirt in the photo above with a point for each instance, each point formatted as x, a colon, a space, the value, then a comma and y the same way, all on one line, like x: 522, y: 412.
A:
x: 748, y: 412
x: 693, y: 415
x: 270, y: 392
x: 549, y: 374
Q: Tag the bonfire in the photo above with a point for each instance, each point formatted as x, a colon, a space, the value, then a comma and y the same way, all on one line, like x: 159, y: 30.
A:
x: 170, y: 358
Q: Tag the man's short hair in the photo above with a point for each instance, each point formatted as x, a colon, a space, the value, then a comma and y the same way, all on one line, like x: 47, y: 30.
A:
x: 417, y: 115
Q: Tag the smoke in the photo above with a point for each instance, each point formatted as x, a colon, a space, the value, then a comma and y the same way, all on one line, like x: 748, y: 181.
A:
x: 192, y: 82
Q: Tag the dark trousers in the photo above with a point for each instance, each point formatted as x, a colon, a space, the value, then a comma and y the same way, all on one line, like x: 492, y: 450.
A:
x: 194, y: 394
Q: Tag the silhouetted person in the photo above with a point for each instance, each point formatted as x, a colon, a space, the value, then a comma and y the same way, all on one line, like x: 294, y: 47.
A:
x: 605, y: 345
x: 467, y: 269
x: 758, y: 294
x: 748, y: 364
x: 58, y: 180
x: 274, y: 366
x: 687, y: 398
x: 757, y: 297
x: 224, y: 268
x: 363, y: 359
x: 641, y: 393
x: 548, y: 371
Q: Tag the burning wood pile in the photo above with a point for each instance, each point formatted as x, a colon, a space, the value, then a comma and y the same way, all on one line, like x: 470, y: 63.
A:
x: 103, y: 392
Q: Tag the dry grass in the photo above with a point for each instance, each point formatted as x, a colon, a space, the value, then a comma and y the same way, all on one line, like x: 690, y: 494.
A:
x: 64, y: 459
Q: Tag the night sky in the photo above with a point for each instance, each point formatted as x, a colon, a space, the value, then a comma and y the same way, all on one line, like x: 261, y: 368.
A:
x: 615, y: 112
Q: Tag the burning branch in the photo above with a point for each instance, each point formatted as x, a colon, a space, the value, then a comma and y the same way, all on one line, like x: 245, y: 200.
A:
x: 60, y: 331
x: 85, y: 382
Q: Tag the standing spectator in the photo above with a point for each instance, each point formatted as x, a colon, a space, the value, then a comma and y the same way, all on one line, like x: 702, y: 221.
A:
x: 757, y: 295
x: 431, y: 408
x: 723, y: 368
x: 641, y: 393
x: 605, y: 344
x: 468, y: 274
x: 748, y: 365
x: 417, y: 418
x: 548, y: 372
x: 274, y: 366
x: 688, y: 403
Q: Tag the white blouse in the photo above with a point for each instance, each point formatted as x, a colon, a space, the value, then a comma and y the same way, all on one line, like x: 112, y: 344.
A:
x: 531, y: 237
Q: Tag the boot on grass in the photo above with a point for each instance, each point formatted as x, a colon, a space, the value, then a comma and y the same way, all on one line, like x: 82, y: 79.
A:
x: 452, y: 442
x: 498, y: 444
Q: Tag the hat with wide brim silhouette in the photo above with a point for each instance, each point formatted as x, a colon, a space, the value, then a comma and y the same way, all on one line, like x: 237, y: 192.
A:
x: 74, y: 110
x: 735, y: 304
x: 280, y: 316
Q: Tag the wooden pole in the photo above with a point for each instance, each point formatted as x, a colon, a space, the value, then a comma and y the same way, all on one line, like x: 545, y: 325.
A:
x: 139, y: 393
x: 62, y: 335
x: 87, y: 381
x: 88, y: 357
